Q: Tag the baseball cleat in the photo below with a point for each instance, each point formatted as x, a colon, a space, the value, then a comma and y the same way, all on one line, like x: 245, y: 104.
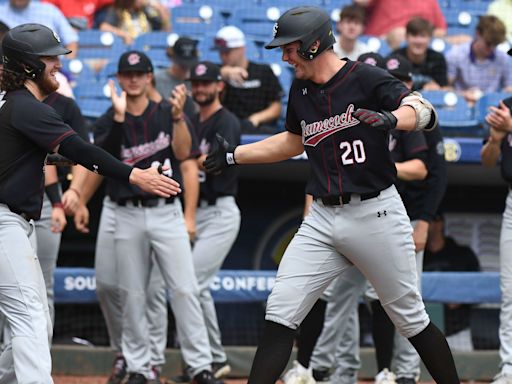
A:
x: 118, y: 371
x: 206, y: 377
x: 221, y: 369
x: 299, y: 375
x: 385, y: 377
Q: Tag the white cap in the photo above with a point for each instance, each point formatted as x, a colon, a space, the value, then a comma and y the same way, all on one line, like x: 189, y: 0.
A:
x: 229, y: 37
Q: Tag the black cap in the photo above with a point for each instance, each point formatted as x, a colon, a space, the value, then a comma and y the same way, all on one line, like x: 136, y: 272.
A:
x: 372, y: 58
x: 184, y: 52
x: 206, y: 71
x: 134, y: 61
x: 399, y: 67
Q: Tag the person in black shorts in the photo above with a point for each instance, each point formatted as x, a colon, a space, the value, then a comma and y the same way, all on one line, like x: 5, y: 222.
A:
x: 29, y: 130
x: 341, y: 113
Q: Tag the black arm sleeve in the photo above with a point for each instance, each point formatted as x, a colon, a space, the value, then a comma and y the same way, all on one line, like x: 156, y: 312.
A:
x: 110, y: 139
x: 94, y: 158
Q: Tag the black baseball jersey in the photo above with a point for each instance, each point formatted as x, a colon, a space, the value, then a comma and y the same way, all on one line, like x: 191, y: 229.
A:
x: 506, y: 151
x: 423, y: 197
x: 405, y: 146
x: 29, y: 130
x: 140, y: 141
x: 255, y: 94
x: 227, y: 125
x: 345, y: 154
x: 69, y: 111
x: 432, y: 68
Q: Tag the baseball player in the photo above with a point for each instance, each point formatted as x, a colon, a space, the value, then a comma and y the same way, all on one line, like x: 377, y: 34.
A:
x: 341, y: 113
x: 141, y: 131
x: 499, y: 144
x: 217, y: 215
x: 31, y: 56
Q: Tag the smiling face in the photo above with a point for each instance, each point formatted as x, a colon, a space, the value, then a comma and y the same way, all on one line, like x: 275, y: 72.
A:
x: 417, y: 44
x: 48, y: 82
x: 134, y: 83
x: 302, y: 66
x: 205, y: 92
x: 350, y: 28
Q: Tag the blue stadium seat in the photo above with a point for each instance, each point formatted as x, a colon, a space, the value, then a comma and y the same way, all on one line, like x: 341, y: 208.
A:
x: 257, y: 21
x: 460, y: 21
x: 285, y: 74
x: 94, y: 108
x: 455, y: 115
x: 376, y: 44
x: 155, y: 40
x: 76, y: 69
x: 487, y: 100
x: 108, y: 71
x: 195, y: 20
x: 439, y: 45
x: 95, y: 44
x: 93, y: 98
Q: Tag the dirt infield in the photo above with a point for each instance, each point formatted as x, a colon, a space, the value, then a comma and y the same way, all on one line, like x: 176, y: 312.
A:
x: 58, y: 379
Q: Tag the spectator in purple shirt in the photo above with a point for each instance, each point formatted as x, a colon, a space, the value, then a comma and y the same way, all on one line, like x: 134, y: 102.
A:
x: 478, y: 67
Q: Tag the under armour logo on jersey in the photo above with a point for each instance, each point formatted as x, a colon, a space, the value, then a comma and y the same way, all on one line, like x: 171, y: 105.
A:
x: 2, y: 101
x: 383, y: 213
x: 95, y: 168
x: 304, y: 91
x: 230, y: 158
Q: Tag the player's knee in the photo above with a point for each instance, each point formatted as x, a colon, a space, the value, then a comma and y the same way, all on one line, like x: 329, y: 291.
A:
x: 287, y: 306
x: 408, y: 314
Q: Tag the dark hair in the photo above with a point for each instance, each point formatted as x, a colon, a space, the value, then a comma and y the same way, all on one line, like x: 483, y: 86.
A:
x: 491, y: 29
x: 354, y: 12
x: 418, y: 25
x: 124, y: 4
x: 11, y: 81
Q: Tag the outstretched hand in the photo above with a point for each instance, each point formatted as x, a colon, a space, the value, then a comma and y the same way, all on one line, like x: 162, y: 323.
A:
x: 152, y: 180
x: 118, y: 101
x: 221, y: 156
x: 384, y: 120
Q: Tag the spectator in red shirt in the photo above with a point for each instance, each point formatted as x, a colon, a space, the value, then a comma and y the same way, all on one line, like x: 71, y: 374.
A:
x: 387, y: 18
x: 80, y: 13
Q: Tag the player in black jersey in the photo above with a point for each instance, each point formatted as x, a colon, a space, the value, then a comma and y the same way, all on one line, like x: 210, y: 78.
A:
x: 499, y: 143
x: 29, y: 130
x: 341, y: 113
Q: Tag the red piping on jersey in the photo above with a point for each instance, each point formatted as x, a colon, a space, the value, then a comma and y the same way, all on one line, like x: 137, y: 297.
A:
x: 134, y: 132
x: 146, y: 120
x: 51, y: 99
x: 59, y: 139
x: 342, y: 79
x: 419, y: 149
x: 326, y: 169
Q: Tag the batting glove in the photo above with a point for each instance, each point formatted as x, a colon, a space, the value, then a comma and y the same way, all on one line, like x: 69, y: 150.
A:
x: 221, y: 156
x: 382, y: 120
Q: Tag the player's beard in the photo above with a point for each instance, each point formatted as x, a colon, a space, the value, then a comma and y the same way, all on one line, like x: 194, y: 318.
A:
x: 209, y: 99
x: 48, y: 84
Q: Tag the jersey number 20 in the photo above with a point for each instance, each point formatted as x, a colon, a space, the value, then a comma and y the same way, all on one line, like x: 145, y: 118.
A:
x: 352, y: 152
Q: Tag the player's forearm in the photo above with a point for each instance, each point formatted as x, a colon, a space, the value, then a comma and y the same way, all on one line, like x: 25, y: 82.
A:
x: 50, y: 175
x: 182, y: 141
x: 268, y: 114
x: 85, y: 182
x: 279, y: 147
x: 406, y: 118
x: 189, y: 170
x: 414, y: 169
x: 490, y: 152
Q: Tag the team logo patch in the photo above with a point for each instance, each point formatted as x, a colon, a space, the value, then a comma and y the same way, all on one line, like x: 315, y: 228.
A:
x: 133, y: 59
x: 200, y: 70
x: 315, y: 132
x: 56, y: 36
x: 274, y: 30
x: 392, y: 64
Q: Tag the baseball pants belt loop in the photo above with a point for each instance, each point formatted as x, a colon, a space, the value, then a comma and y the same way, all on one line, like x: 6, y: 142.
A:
x: 145, y: 202
x: 346, y: 197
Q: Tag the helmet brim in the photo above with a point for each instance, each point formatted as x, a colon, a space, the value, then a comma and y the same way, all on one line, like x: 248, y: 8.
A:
x: 278, y: 41
x: 55, y: 51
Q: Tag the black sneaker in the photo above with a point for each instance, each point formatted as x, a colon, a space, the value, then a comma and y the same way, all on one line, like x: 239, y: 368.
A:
x: 206, y: 377
x: 321, y: 375
x: 118, y: 371
x: 181, y: 379
x: 405, y: 380
x: 221, y: 369
x: 136, y: 378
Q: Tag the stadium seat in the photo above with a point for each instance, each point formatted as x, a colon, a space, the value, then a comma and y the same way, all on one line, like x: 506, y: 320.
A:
x: 95, y: 44
x: 108, y: 71
x: 439, y: 45
x: 487, y: 100
x: 155, y: 40
x: 257, y: 21
x: 93, y: 98
x: 75, y: 69
x: 454, y: 113
x: 285, y: 75
x: 196, y: 20
x: 460, y: 21
x: 94, y: 108
x: 376, y: 44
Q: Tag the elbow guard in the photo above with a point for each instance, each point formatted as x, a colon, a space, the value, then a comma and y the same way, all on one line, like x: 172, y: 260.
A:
x: 426, y: 115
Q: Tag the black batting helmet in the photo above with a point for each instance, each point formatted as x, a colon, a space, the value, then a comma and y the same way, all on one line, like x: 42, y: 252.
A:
x: 26, y: 43
x: 305, y: 24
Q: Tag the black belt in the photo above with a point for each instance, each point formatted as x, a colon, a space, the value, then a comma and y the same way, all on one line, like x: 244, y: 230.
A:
x: 144, y: 202
x: 345, y: 198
